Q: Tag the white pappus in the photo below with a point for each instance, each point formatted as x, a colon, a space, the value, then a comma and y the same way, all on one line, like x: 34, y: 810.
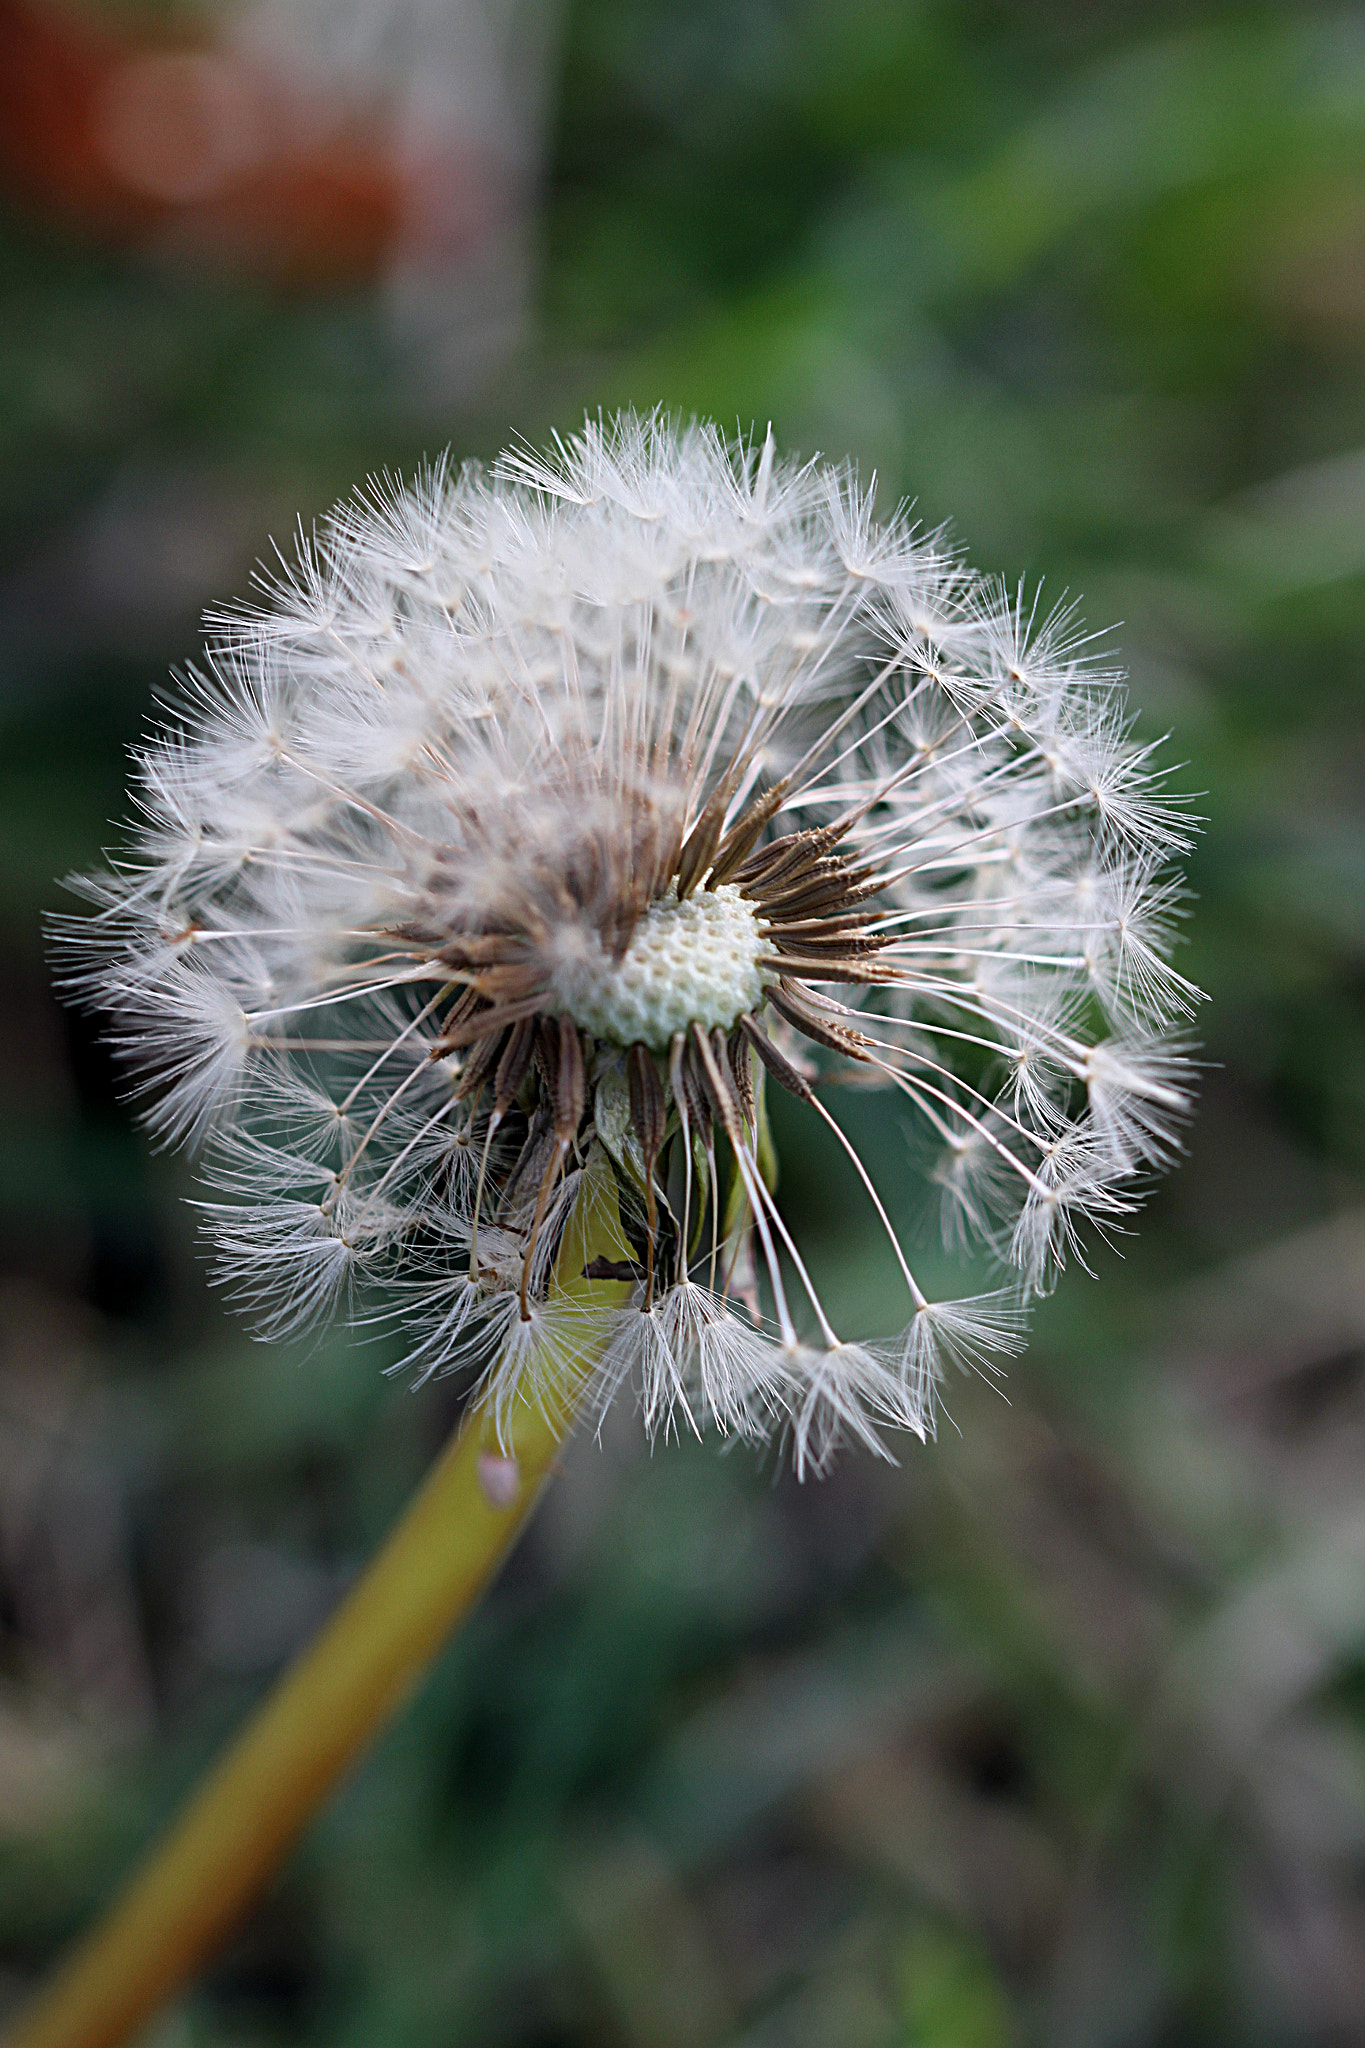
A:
x: 536, y: 818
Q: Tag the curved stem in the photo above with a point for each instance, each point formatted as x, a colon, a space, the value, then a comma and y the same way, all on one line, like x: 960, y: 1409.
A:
x: 239, y: 1825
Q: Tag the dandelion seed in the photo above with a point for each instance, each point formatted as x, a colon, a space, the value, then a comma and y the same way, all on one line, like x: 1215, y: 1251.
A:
x: 535, y: 820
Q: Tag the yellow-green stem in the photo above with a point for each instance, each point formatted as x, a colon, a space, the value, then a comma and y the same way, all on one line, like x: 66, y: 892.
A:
x: 239, y: 1825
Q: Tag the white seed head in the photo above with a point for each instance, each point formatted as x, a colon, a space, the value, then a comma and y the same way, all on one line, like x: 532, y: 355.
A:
x: 535, y: 819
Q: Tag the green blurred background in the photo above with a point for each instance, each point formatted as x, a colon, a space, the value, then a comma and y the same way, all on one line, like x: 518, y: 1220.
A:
x: 1055, y: 1733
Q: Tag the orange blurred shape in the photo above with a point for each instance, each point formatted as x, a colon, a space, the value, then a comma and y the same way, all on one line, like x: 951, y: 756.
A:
x: 185, y: 147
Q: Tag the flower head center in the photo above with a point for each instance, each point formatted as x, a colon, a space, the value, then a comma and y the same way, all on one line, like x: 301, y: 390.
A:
x: 702, y: 961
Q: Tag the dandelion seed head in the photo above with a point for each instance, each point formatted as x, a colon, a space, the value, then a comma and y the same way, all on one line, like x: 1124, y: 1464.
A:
x: 494, y: 860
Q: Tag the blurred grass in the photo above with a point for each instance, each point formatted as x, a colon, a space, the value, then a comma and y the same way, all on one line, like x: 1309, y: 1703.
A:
x: 1055, y: 1733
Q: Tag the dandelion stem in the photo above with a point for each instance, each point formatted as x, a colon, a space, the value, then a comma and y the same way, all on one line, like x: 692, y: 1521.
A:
x: 222, y: 1851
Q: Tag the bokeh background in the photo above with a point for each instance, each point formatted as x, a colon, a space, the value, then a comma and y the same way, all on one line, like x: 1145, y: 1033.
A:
x: 1055, y: 1733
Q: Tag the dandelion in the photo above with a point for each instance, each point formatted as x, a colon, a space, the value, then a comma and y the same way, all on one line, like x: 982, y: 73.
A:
x: 489, y: 871
x: 536, y: 821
